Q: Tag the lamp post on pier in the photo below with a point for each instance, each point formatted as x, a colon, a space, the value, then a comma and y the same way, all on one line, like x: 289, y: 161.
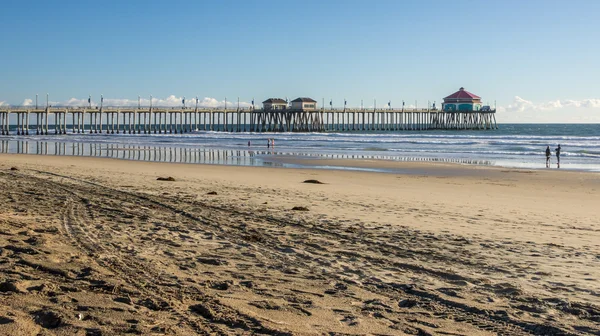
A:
x: 90, y: 102
x: 139, y: 102
x: 196, y: 103
x: 101, y: 105
x: 225, y: 103
x: 36, y: 99
x: 47, y: 112
x: 150, y: 117
x: 183, y: 102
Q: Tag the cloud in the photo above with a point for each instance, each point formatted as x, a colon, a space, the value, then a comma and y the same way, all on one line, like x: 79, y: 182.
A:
x: 519, y: 104
x: 568, y: 110
x: 170, y: 101
x: 3, y: 103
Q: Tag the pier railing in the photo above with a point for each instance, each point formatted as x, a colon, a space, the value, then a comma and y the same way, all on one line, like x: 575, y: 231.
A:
x: 29, y: 108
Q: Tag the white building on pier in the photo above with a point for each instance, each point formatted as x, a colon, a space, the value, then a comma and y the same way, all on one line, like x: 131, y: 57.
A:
x: 304, y: 104
x: 275, y: 104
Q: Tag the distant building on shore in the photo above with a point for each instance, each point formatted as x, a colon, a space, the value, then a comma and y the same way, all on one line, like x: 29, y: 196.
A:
x: 461, y: 100
x: 275, y: 104
x: 304, y: 104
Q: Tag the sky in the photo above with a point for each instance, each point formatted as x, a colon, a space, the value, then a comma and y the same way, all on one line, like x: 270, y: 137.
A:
x: 537, y: 61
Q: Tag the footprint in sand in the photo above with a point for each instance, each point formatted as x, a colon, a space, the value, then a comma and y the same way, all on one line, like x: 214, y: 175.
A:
x: 350, y: 320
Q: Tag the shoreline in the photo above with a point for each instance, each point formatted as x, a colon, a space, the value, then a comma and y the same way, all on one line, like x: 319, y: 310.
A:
x: 410, y: 167
x: 318, y: 163
x: 516, y: 146
x: 272, y: 157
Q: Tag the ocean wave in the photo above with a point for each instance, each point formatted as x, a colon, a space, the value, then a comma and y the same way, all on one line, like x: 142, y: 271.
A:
x: 351, y: 137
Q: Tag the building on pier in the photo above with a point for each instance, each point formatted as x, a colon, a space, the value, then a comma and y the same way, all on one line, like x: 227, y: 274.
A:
x: 275, y: 104
x: 304, y: 104
x: 463, y: 101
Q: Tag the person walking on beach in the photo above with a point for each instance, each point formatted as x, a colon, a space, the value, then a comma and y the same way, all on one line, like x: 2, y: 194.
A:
x: 548, y: 153
x: 268, y: 143
x: 557, y: 156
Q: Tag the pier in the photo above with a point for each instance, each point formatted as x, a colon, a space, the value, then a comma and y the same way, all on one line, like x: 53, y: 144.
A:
x: 167, y: 120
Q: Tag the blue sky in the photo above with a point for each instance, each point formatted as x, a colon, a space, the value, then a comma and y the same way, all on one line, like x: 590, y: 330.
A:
x: 539, y: 60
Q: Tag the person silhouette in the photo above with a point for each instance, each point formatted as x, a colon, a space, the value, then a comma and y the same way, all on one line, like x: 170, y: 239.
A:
x: 548, y: 153
x: 557, y: 156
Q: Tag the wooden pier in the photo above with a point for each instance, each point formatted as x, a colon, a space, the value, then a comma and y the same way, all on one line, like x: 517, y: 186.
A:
x: 156, y: 120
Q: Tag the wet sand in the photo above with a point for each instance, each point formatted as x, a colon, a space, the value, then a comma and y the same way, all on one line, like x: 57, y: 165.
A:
x: 100, y: 247
x: 410, y: 167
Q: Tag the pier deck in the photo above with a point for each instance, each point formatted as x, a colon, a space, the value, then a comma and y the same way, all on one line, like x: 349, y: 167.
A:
x: 163, y: 120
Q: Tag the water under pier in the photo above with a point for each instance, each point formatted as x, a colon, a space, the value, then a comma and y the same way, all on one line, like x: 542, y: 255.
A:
x: 156, y: 120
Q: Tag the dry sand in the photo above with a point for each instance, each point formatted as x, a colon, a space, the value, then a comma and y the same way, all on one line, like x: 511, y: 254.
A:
x: 100, y: 247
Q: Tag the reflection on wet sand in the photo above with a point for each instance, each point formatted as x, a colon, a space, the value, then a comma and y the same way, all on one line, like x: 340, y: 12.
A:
x: 193, y: 155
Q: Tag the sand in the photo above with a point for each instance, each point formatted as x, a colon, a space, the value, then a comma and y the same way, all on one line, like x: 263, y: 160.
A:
x: 94, y: 246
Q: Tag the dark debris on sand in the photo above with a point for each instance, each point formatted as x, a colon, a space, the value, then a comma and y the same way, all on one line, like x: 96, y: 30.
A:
x: 48, y: 319
x: 313, y: 182
x: 171, y: 179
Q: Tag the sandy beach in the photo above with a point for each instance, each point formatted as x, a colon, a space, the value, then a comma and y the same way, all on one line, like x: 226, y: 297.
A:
x: 92, y: 246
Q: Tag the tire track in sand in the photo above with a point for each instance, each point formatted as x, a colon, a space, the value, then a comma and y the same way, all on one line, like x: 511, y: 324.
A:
x: 218, y: 319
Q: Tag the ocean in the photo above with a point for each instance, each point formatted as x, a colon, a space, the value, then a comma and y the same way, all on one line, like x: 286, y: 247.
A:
x: 512, y: 145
